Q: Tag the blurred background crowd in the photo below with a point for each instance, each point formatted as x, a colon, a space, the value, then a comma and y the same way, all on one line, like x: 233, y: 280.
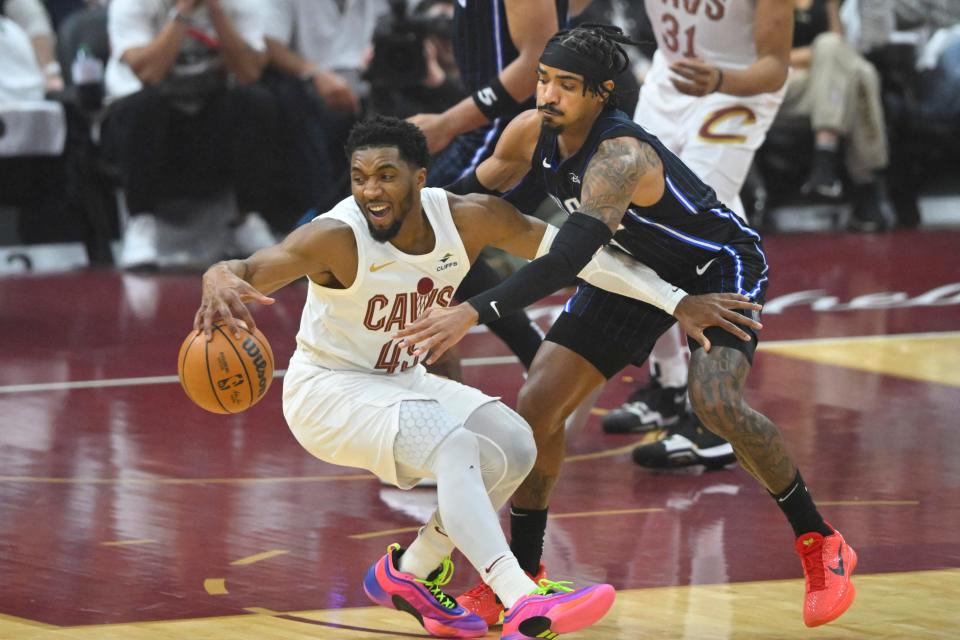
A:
x: 148, y: 148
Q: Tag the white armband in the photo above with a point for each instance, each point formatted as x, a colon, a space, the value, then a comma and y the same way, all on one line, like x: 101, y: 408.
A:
x: 621, y: 273
x: 618, y: 272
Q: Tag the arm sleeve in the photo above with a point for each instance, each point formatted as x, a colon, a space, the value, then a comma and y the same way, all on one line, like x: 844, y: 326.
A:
x: 579, y: 238
x: 621, y: 273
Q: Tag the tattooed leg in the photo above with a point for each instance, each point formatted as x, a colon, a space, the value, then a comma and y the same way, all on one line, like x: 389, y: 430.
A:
x: 557, y: 382
x: 716, y: 394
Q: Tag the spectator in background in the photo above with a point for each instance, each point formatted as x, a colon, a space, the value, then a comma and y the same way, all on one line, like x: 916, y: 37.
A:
x: 839, y: 90
x: 34, y: 20
x: 316, y: 50
x: 916, y: 44
x: 186, y: 117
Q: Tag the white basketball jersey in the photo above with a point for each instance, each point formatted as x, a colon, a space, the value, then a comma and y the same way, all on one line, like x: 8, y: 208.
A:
x: 718, y: 31
x: 351, y: 328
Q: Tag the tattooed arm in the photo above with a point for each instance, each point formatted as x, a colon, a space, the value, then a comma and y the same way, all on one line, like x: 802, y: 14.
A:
x: 621, y: 170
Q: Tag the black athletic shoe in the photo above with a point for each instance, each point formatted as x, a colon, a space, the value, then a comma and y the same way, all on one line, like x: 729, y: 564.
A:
x: 647, y: 408
x: 687, y: 444
x: 824, y: 181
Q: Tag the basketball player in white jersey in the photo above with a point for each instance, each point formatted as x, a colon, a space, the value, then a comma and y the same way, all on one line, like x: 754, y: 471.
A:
x: 353, y: 397
x: 713, y: 90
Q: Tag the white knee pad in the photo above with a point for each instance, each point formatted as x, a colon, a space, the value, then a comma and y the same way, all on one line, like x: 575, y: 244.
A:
x: 507, y: 448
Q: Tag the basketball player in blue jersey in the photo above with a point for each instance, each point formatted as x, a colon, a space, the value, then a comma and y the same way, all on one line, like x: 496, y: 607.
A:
x: 625, y: 189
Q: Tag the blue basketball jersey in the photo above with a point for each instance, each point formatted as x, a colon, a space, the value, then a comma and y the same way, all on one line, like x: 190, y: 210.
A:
x: 685, y: 230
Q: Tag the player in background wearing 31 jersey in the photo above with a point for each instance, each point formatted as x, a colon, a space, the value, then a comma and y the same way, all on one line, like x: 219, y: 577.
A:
x: 353, y: 396
x: 712, y: 92
x: 624, y: 189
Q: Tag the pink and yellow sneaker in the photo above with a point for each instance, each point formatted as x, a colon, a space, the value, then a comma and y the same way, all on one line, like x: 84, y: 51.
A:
x: 828, y: 563
x: 482, y: 601
x: 554, y: 609
x: 425, y: 600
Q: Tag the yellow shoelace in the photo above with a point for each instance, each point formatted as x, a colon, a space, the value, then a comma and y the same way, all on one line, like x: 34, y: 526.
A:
x: 546, y: 587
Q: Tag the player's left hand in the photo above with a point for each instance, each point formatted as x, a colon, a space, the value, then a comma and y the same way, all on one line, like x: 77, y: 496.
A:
x: 434, y: 127
x: 696, y: 313
x: 695, y: 77
x: 437, y: 330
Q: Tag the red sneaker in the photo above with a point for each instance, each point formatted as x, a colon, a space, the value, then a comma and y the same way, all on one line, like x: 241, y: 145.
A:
x: 482, y: 601
x: 828, y: 563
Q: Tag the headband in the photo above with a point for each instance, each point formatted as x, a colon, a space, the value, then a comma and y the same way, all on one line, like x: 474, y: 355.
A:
x: 560, y: 57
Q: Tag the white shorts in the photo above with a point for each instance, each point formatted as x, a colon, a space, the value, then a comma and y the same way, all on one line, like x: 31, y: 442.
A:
x: 715, y: 135
x: 351, y: 418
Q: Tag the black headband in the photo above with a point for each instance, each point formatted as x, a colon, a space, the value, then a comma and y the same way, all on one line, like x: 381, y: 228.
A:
x: 560, y: 57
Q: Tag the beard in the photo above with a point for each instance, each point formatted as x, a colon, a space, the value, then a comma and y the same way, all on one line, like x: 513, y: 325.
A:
x: 383, y: 235
x: 552, y: 127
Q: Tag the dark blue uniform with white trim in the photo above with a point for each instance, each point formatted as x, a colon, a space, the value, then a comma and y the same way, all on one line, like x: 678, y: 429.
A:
x: 482, y: 47
x: 688, y: 237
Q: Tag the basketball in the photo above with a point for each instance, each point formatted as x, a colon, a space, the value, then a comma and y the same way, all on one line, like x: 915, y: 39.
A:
x: 226, y: 374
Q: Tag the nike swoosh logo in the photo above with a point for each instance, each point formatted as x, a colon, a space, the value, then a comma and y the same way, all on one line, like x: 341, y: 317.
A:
x: 493, y: 564
x: 546, y: 165
x: 703, y: 269
x: 493, y: 305
x: 376, y: 267
x: 839, y: 568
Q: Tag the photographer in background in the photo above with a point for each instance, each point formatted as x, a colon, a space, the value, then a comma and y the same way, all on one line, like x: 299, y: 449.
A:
x: 413, y: 68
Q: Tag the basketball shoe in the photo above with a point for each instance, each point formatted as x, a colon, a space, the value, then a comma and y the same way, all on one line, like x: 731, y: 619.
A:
x: 554, y: 609
x: 425, y: 600
x: 651, y: 407
x: 828, y: 563
x: 482, y: 601
x: 686, y: 444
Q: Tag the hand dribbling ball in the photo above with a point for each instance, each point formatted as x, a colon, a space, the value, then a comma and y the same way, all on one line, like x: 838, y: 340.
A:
x: 225, y: 374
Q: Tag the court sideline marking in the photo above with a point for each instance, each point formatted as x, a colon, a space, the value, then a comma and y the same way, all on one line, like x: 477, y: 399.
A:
x: 466, y: 362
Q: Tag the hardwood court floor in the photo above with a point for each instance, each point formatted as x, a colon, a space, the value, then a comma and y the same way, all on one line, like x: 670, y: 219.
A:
x: 125, y: 512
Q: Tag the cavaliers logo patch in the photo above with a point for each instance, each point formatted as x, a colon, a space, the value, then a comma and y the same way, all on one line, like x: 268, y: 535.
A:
x: 721, y: 125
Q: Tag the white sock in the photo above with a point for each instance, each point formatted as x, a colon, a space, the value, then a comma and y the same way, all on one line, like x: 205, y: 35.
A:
x: 507, y: 579
x: 670, y: 354
x: 429, y: 549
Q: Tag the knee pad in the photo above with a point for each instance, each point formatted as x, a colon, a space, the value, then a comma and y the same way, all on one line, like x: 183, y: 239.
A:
x: 507, y: 447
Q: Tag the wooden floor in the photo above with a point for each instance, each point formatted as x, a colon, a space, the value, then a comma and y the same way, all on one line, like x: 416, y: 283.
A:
x: 916, y: 605
x: 127, y: 513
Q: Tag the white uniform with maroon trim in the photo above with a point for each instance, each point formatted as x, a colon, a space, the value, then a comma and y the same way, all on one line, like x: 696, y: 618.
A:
x: 342, y: 391
x: 718, y: 134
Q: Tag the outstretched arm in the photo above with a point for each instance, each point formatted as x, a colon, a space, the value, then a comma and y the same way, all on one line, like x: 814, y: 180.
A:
x: 611, y: 179
x: 484, y: 220
x: 229, y: 285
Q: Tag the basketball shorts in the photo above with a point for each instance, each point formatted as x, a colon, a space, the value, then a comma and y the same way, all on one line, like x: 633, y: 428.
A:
x: 351, y: 418
x: 611, y: 331
x: 715, y: 135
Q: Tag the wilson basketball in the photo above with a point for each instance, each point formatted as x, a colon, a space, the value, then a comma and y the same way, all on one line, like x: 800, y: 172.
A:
x: 226, y: 374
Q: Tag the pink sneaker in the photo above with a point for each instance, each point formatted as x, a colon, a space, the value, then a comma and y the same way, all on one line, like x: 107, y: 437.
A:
x: 554, y: 609
x: 439, y: 614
